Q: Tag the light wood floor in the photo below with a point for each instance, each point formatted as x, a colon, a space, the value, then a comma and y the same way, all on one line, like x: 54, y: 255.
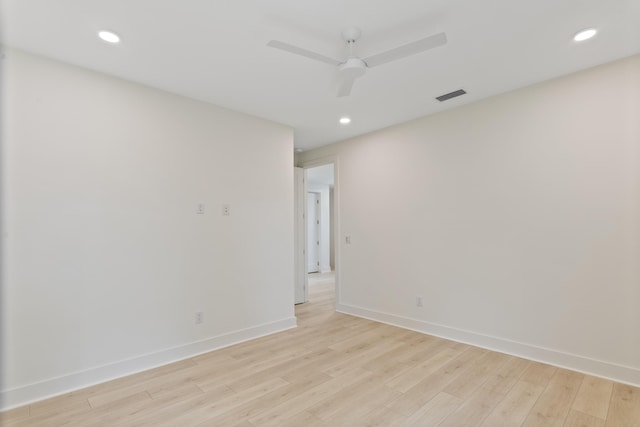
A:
x: 338, y: 370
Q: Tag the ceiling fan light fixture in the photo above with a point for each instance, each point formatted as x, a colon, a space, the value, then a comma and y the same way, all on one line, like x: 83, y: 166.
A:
x: 353, y: 68
x: 585, y: 34
x: 109, y: 36
x: 344, y: 120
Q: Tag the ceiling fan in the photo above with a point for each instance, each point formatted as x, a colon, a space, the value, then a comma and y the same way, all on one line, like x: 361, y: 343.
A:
x: 354, y: 67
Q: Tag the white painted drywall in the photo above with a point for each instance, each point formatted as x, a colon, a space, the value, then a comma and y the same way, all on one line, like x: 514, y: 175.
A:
x: 107, y: 261
x: 517, y: 219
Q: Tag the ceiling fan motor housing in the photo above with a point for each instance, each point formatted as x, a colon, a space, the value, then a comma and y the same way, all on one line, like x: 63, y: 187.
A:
x: 353, y: 68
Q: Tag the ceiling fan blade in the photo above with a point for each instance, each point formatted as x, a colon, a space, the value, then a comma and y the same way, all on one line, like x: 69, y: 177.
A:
x: 406, y: 50
x: 302, y: 52
x: 345, y: 85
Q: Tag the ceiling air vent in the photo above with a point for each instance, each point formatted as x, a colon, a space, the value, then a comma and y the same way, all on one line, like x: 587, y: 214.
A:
x: 450, y: 95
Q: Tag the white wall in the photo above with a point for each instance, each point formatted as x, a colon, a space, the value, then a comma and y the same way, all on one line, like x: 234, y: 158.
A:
x: 107, y: 261
x: 517, y: 219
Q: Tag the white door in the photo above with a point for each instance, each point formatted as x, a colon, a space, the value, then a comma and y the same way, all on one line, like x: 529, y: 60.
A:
x: 300, y: 285
x: 313, y: 232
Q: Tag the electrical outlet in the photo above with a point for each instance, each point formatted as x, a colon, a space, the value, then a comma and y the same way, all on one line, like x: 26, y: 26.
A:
x: 418, y: 301
x: 226, y: 210
x: 198, y: 317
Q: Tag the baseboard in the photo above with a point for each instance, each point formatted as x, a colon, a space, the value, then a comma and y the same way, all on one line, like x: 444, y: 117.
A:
x: 611, y: 371
x: 26, y: 394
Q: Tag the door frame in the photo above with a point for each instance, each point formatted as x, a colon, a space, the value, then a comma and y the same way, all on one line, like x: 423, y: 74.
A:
x: 337, y: 243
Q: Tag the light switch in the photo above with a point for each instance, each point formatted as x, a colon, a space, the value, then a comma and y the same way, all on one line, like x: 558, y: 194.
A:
x: 200, y: 209
x: 347, y: 240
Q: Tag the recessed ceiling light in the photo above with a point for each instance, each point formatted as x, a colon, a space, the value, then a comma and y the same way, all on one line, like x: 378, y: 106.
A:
x: 109, y: 36
x: 345, y: 120
x: 585, y: 35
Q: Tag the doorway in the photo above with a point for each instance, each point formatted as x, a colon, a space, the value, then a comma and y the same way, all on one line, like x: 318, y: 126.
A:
x: 319, y: 200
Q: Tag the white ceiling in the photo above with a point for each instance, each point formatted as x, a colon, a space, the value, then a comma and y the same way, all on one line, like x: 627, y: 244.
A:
x: 214, y: 50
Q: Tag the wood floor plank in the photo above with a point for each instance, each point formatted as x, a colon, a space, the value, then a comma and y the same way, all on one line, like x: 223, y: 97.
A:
x: 304, y: 418
x: 113, y: 412
x: 57, y: 417
x: 442, y: 354
x: 14, y: 415
x: 484, y: 399
x: 105, y: 393
x: 364, y: 353
x: 418, y: 395
x: 472, y: 411
x: 506, y: 376
x: 434, y: 411
x: 624, y: 410
x: 328, y: 407
x: 424, y: 349
x: 554, y: 404
x: 319, y: 360
x: 190, y: 411
x: 250, y: 408
x: 476, y: 375
x: 516, y: 405
x: 180, y: 389
x: 59, y: 404
x: 365, y: 339
x: 362, y: 404
x: 302, y: 402
x: 249, y: 375
x: 135, y: 412
x: 580, y: 419
x: 379, y: 417
x: 399, y: 356
x: 539, y: 373
x: 593, y: 397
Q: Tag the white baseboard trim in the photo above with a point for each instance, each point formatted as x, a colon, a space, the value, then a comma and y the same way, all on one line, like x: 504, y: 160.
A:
x: 611, y: 371
x: 41, y: 390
